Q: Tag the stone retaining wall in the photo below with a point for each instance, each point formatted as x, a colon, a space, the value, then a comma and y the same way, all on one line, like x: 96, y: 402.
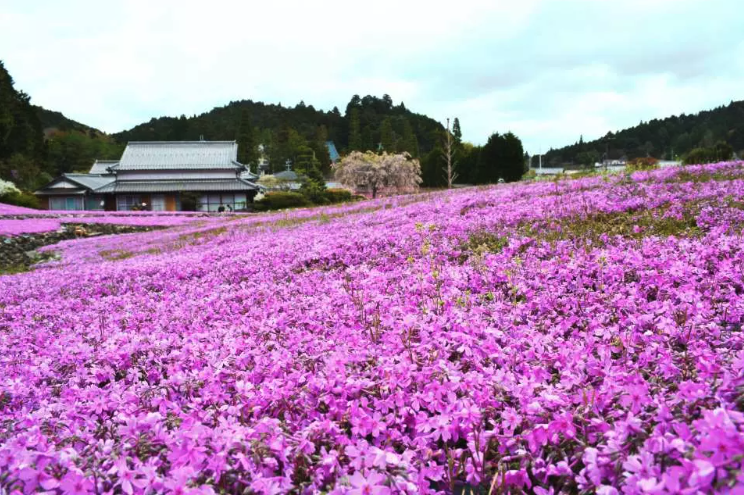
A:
x: 18, y: 252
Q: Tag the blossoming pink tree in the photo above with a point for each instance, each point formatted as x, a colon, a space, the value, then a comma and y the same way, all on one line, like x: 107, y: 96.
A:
x: 398, y: 172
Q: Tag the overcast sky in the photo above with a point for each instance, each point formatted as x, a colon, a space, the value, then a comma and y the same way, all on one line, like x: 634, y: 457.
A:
x: 548, y: 70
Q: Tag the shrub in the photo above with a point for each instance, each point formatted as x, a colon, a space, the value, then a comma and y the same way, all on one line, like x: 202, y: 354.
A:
x: 190, y: 201
x: 721, y: 152
x: 278, y: 200
x: 643, y: 163
x: 529, y: 175
x: 315, y: 192
x: 19, y: 198
x: 338, y: 195
x: 6, y: 187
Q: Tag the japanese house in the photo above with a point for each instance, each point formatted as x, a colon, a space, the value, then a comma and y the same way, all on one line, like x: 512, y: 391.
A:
x: 158, y: 176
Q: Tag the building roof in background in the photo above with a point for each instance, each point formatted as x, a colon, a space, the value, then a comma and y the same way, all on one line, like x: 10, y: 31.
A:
x: 90, y: 181
x: 548, y: 170
x: 248, y: 175
x: 179, y: 155
x: 287, y: 175
x: 102, y: 166
x: 162, y: 186
x: 79, y: 183
x: 332, y: 151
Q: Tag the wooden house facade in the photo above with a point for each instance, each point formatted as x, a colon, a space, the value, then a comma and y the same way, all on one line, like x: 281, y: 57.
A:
x: 158, y: 176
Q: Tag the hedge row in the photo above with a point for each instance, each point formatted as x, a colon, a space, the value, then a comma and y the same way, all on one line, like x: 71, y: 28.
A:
x: 279, y: 200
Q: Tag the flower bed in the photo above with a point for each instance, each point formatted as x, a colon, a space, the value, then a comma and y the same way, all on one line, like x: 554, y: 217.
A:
x: 16, y: 227
x: 15, y: 210
x: 577, y: 336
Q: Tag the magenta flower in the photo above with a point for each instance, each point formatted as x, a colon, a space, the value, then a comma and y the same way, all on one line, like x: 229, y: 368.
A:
x: 401, y: 345
x: 373, y: 484
x: 75, y: 484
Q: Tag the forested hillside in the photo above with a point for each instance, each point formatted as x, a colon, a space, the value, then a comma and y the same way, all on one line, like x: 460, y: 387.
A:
x: 38, y: 144
x: 51, y: 121
x: 669, y: 138
x: 21, y: 137
x: 367, y: 123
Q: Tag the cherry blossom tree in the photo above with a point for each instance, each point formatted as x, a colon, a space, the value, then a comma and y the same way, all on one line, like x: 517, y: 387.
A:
x: 399, y: 172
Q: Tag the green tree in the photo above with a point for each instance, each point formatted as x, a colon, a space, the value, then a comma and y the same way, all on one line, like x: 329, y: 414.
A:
x: 368, y: 143
x: 457, y: 131
x: 489, y: 160
x: 355, y: 134
x: 305, y: 160
x: 21, y: 137
x: 388, y: 101
x: 409, y: 141
x: 502, y: 157
x: 431, y: 169
x: 25, y: 172
x: 307, y: 165
x: 513, y: 165
x: 723, y: 151
x: 246, y: 139
x: 387, y: 136
x: 468, y: 162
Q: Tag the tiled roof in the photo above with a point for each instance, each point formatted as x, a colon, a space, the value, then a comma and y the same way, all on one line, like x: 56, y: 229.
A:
x: 161, y: 186
x: 90, y: 181
x: 179, y: 155
x: 101, y: 166
x: 82, y: 182
x: 286, y: 175
x: 249, y: 176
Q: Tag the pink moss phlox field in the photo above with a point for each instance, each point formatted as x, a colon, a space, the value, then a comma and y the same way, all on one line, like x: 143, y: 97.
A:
x: 32, y: 226
x: 15, y: 210
x: 49, y: 223
x: 425, y: 344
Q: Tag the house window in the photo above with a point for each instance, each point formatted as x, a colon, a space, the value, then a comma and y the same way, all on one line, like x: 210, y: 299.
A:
x: 126, y: 203
x: 94, y: 203
x: 212, y: 202
x: 240, y: 201
x: 158, y: 202
x: 66, y: 203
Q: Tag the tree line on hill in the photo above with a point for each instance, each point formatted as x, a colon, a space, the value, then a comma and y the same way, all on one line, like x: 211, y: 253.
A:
x: 287, y: 133
x: 705, y: 136
x: 36, y: 144
x: 501, y: 158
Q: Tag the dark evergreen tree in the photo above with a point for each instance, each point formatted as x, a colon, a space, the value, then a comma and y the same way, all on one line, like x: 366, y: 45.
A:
x: 313, y: 182
x: 456, y: 131
x: 408, y: 142
x: 387, y: 136
x: 368, y: 142
x: 467, y: 164
x: 355, y: 134
x: 247, y: 145
x: 513, y: 165
x: 388, y: 101
x: 489, y: 159
x: 431, y: 169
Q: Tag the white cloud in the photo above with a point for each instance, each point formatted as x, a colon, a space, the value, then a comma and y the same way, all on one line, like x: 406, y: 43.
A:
x: 548, y: 70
